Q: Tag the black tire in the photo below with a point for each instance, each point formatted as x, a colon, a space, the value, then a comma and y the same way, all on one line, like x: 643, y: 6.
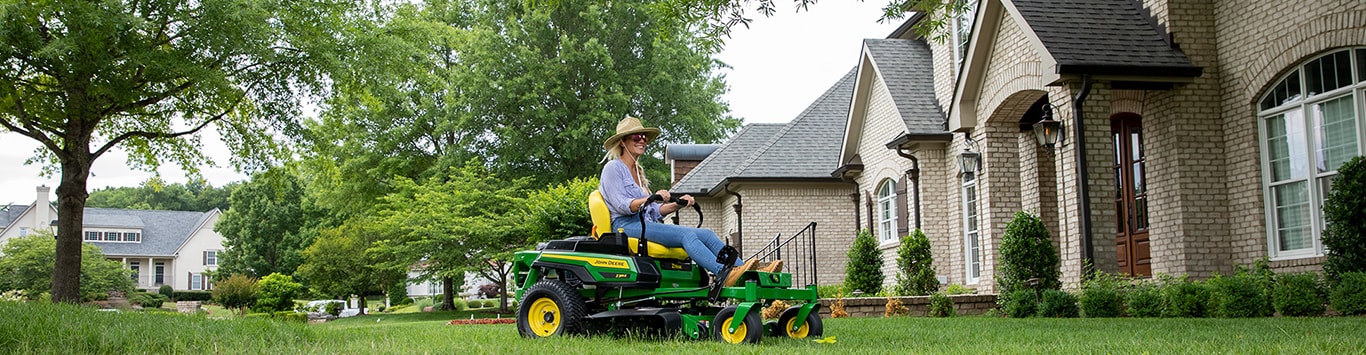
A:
x: 750, y: 332
x: 550, y: 308
x: 811, y: 329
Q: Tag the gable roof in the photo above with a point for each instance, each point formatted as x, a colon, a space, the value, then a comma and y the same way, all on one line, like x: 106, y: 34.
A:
x: 905, y: 67
x: 1103, y: 37
x: 163, y: 232
x: 805, y: 148
x: 10, y: 213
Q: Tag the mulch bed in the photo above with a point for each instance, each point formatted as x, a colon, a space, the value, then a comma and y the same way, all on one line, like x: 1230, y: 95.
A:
x: 483, y: 321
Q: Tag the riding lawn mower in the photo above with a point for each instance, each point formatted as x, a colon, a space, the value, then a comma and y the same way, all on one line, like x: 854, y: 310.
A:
x: 612, y: 283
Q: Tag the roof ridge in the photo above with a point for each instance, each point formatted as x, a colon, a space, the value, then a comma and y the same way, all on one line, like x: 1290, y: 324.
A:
x: 721, y: 150
x: 805, y: 114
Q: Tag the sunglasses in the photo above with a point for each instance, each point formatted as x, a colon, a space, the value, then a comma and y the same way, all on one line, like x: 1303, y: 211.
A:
x: 638, y: 137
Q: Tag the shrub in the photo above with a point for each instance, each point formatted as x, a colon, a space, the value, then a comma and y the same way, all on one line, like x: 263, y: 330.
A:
x: 956, y: 289
x: 1100, y: 296
x: 191, y: 295
x: 147, y: 300
x: 290, y: 316
x: 1299, y: 294
x: 459, y: 305
x: 1144, y: 301
x: 276, y: 292
x: 1238, y: 296
x: 1021, y: 303
x: 865, y: 265
x: 1182, y: 297
x: 915, y: 266
x: 1344, y: 237
x: 398, y: 294
x: 26, y: 263
x: 237, y: 291
x: 1349, y: 294
x: 1027, y: 253
x: 1058, y: 304
x: 489, y: 290
x: 333, y: 308
x: 166, y: 290
x: 941, y: 305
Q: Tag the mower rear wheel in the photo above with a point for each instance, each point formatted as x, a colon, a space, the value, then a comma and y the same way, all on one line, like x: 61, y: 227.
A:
x: 750, y: 331
x: 550, y: 308
x: 811, y: 328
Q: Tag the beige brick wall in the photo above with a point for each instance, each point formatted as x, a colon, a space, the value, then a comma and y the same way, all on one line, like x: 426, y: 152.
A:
x: 773, y: 209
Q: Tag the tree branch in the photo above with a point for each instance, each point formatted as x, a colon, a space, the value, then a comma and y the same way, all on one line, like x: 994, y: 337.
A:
x: 160, y: 135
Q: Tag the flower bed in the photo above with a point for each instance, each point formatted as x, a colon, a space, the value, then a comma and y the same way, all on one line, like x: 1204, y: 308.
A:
x: 482, y: 321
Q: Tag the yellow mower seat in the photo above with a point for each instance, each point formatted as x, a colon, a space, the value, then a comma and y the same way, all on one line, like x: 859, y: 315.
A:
x: 602, y: 224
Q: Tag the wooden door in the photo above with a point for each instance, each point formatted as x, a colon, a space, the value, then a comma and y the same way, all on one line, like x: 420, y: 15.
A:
x: 1131, y: 195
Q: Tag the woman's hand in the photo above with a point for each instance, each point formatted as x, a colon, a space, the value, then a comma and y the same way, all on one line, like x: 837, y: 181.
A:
x: 687, y: 201
x: 664, y: 194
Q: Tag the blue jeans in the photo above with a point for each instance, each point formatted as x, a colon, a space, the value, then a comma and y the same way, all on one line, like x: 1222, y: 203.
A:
x: 702, y: 244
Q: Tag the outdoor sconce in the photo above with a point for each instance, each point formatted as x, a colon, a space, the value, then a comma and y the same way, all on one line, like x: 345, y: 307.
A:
x: 1048, y: 131
x: 969, y: 162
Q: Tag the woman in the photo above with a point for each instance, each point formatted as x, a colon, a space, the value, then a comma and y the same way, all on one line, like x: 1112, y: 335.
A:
x: 625, y: 188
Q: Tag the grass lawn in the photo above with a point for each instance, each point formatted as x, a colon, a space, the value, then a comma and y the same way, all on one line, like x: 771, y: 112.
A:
x: 43, y: 328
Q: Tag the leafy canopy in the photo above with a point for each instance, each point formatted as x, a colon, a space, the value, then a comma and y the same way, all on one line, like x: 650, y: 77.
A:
x: 26, y: 264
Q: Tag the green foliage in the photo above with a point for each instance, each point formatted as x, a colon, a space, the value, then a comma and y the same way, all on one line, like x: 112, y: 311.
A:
x: 957, y: 289
x: 941, y: 305
x: 237, y: 291
x: 146, y: 300
x: 864, y: 269
x: 1144, y: 301
x: 276, y: 292
x: 1348, y: 296
x: 1058, y: 304
x: 1027, y: 253
x: 1183, y: 297
x: 398, y: 294
x: 915, y: 266
x: 192, y: 296
x: 26, y: 263
x: 1021, y: 303
x: 156, y: 194
x: 1101, y: 296
x: 1239, y: 296
x: 333, y: 308
x: 560, y: 210
x: 337, y: 264
x: 166, y: 290
x: 1299, y: 295
x: 263, y: 231
x: 1344, y: 209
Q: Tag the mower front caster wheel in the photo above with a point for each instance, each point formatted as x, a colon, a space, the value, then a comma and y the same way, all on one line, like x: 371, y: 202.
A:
x: 811, y: 328
x: 750, y: 331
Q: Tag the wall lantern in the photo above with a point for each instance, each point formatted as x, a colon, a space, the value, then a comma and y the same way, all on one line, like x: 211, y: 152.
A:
x: 969, y: 161
x: 1048, y: 131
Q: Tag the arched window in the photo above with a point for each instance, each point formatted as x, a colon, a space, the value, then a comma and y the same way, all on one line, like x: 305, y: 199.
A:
x: 1309, y: 123
x: 886, y: 211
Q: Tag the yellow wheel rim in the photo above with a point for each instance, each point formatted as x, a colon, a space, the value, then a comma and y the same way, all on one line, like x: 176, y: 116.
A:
x: 734, y: 338
x: 800, y: 333
x: 544, y: 317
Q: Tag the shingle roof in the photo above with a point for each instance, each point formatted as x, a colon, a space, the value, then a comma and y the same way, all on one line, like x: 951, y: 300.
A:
x: 162, y: 231
x: 806, y: 147
x: 906, y: 67
x: 1102, y: 37
x: 9, y: 213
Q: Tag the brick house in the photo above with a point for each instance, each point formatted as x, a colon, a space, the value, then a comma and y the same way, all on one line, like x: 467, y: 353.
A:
x: 1210, y: 136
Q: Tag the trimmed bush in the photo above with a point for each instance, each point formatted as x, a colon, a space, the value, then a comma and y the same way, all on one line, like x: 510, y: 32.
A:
x: 166, y: 290
x: 865, y: 265
x: 192, y: 295
x: 1100, y: 296
x: 460, y: 305
x: 1344, y: 237
x: 956, y: 289
x: 1182, y: 297
x: 941, y: 305
x: 1021, y: 304
x: 147, y: 300
x: 1299, y: 295
x: 915, y: 266
x: 1058, y: 304
x: 237, y: 291
x: 276, y: 292
x: 1238, y: 296
x: 1349, y: 294
x: 1026, y: 253
x: 1144, y: 301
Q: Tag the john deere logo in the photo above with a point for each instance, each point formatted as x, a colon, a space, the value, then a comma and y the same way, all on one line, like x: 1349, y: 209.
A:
x: 609, y: 263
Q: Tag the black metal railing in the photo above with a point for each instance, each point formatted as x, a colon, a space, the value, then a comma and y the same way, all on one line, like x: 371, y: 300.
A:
x: 797, y: 252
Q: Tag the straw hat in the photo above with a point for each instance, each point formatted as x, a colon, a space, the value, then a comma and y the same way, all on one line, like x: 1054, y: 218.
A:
x: 628, y: 126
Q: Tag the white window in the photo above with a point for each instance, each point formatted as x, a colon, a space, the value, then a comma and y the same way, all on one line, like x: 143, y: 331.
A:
x: 972, y: 246
x: 23, y: 231
x: 962, y: 31
x: 210, y: 257
x: 196, y: 281
x: 886, y: 214
x: 132, y: 237
x: 113, y: 236
x: 159, y: 275
x: 135, y: 266
x: 93, y: 236
x: 1309, y: 124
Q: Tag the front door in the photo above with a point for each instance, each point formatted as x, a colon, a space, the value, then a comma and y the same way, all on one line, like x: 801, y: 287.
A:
x: 1131, y: 196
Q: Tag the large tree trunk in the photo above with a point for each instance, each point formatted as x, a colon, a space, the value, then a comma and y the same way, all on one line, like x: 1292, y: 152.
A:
x: 71, y: 196
x: 448, y: 290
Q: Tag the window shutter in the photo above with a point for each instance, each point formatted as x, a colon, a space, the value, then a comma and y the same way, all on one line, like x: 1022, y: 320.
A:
x: 205, y: 257
x: 902, y: 228
x: 868, y: 204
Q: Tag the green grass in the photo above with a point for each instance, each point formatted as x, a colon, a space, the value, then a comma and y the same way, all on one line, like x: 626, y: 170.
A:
x: 43, y: 328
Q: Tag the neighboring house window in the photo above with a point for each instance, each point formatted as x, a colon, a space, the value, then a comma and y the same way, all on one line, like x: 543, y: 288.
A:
x: 23, y: 231
x: 210, y: 257
x: 132, y: 237
x: 972, y: 246
x: 962, y: 32
x: 112, y: 236
x: 196, y: 281
x: 92, y: 236
x: 1309, y: 124
x: 886, y: 205
x: 135, y: 266
x: 159, y: 276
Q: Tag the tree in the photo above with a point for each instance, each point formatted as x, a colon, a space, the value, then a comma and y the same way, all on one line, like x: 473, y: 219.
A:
x: 915, y: 266
x: 470, y: 220
x: 236, y: 292
x: 1027, y: 253
x: 1344, y: 209
x: 560, y: 211
x: 83, y: 78
x: 263, y: 233
x: 276, y: 292
x: 155, y: 194
x: 26, y: 264
x: 337, y: 263
x: 864, y: 270
x: 722, y: 15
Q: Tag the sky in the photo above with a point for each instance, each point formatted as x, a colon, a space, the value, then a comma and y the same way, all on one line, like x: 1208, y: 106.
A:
x: 779, y: 65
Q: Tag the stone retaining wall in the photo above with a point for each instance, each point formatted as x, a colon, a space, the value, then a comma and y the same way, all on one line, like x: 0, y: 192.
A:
x: 917, y: 305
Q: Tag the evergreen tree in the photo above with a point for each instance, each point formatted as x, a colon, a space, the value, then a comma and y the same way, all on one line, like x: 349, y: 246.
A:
x: 1345, y: 209
x: 915, y: 266
x: 864, y: 271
